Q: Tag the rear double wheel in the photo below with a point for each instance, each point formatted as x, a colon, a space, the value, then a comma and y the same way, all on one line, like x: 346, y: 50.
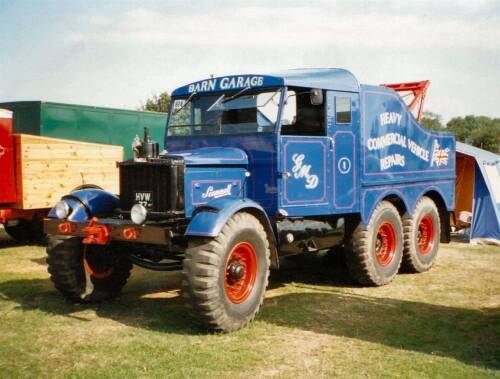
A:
x: 86, y: 273
x: 422, y: 232
x: 225, y: 278
x: 374, y: 252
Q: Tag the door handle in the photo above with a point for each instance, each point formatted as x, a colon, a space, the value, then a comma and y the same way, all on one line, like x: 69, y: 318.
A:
x: 332, y: 143
x: 284, y: 175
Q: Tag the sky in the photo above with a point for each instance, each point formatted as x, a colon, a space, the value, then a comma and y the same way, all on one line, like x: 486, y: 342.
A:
x: 119, y: 53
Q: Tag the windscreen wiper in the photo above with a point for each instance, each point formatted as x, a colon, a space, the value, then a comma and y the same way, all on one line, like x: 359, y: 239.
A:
x: 268, y: 100
x: 183, y: 105
x: 236, y: 95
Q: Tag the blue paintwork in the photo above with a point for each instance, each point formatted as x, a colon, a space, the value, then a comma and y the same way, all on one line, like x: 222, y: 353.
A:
x: 382, y: 151
x: 210, y: 156
x: 333, y: 158
x: 204, y: 184
x: 307, y: 188
x: 338, y: 79
x: 78, y: 211
x: 86, y: 203
x: 429, y: 157
x: 332, y: 79
x: 377, y: 100
x: 352, y: 175
x: 410, y: 193
x: 345, y: 157
x: 210, y: 219
x: 261, y: 150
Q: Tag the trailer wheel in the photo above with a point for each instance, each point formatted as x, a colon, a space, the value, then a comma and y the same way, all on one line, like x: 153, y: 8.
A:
x: 225, y: 278
x: 26, y: 231
x: 86, y: 273
x: 421, y: 236
x: 374, y: 253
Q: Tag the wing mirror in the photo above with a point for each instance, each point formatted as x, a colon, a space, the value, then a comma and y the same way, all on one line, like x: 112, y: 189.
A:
x: 316, y: 95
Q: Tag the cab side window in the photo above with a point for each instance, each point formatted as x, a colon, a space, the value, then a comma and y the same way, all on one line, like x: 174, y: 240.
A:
x: 300, y: 117
x: 342, y: 110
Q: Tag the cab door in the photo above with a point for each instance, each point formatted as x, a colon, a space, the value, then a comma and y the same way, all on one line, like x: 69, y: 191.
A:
x: 343, y: 127
x: 305, y: 152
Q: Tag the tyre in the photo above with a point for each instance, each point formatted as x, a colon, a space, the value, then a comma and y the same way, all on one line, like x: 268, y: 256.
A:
x: 421, y: 236
x: 26, y: 231
x: 374, y: 252
x: 86, y: 273
x: 225, y: 278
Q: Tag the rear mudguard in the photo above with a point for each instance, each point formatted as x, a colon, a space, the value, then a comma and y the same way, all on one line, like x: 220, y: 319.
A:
x: 86, y: 203
x: 209, y: 219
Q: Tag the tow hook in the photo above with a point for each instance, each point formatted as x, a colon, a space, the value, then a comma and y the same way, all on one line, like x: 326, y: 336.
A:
x: 96, y: 234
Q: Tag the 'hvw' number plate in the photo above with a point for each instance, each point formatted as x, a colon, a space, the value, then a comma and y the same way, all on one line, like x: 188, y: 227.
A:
x: 144, y: 198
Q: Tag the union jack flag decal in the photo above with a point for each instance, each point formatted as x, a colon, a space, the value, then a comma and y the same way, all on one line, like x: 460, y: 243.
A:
x: 439, y: 156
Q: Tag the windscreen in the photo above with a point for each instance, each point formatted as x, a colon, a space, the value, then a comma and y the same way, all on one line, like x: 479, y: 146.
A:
x: 235, y: 113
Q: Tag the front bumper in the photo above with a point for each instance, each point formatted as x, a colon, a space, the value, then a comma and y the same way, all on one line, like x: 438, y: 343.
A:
x: 103, y: 231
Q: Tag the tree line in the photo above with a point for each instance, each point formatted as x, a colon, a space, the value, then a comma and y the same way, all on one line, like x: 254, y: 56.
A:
x: 479, y: 131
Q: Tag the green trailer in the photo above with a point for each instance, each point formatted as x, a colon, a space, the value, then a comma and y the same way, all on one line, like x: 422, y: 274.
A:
x: 85, y: 123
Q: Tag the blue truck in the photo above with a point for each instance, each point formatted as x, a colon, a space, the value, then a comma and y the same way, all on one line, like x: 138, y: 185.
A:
x: 254, y: 168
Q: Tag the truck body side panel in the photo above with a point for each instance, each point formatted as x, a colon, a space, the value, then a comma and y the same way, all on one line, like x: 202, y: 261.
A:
x: 398, y: 156
x: 410, y: 193
x: 7, y: 177
x: 395, y: 148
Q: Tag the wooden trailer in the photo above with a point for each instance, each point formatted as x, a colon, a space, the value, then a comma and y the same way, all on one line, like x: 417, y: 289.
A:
x: 36, y: 171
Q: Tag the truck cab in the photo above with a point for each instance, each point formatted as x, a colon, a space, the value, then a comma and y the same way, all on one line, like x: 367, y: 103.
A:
x: 284, y: 128
x: 259, y: 166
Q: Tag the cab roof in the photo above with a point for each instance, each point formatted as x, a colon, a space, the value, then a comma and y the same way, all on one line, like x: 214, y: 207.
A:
x: 337, y: 79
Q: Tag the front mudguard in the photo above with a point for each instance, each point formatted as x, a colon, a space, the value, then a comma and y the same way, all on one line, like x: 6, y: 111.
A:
x: 209, y: 219
x: 87, y: 203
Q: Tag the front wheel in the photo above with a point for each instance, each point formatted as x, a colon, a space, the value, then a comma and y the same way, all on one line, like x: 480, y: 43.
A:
x: 225, y: 278
x: 86, y: 273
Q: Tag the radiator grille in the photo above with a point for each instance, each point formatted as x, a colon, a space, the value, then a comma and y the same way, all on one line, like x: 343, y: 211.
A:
x: 157, y: 184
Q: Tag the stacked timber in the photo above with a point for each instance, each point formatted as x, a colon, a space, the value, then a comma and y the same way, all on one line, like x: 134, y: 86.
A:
x: 49, y: 168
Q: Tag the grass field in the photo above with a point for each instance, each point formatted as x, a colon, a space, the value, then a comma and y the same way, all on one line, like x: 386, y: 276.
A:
x: 315, y: 323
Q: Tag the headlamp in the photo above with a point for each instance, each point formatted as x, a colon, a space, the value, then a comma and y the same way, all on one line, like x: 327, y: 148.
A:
x: 62, y: 209
x: 138, y: 214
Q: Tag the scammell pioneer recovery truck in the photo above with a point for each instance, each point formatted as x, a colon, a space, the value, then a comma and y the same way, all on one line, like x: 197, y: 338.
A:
x: 255, y: 167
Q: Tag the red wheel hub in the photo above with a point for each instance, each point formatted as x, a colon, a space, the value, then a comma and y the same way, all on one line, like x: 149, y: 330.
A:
x: 385, y: 244
x: 425, y: 236
x: 241, y: 272
x: 97, y: 264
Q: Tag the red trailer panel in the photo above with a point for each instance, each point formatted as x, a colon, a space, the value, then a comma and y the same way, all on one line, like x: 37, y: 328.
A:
x: 7, y: 177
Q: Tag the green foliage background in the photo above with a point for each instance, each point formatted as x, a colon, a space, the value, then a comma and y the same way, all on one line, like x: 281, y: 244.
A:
x: 479, y: 131
x: 157, y: 103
